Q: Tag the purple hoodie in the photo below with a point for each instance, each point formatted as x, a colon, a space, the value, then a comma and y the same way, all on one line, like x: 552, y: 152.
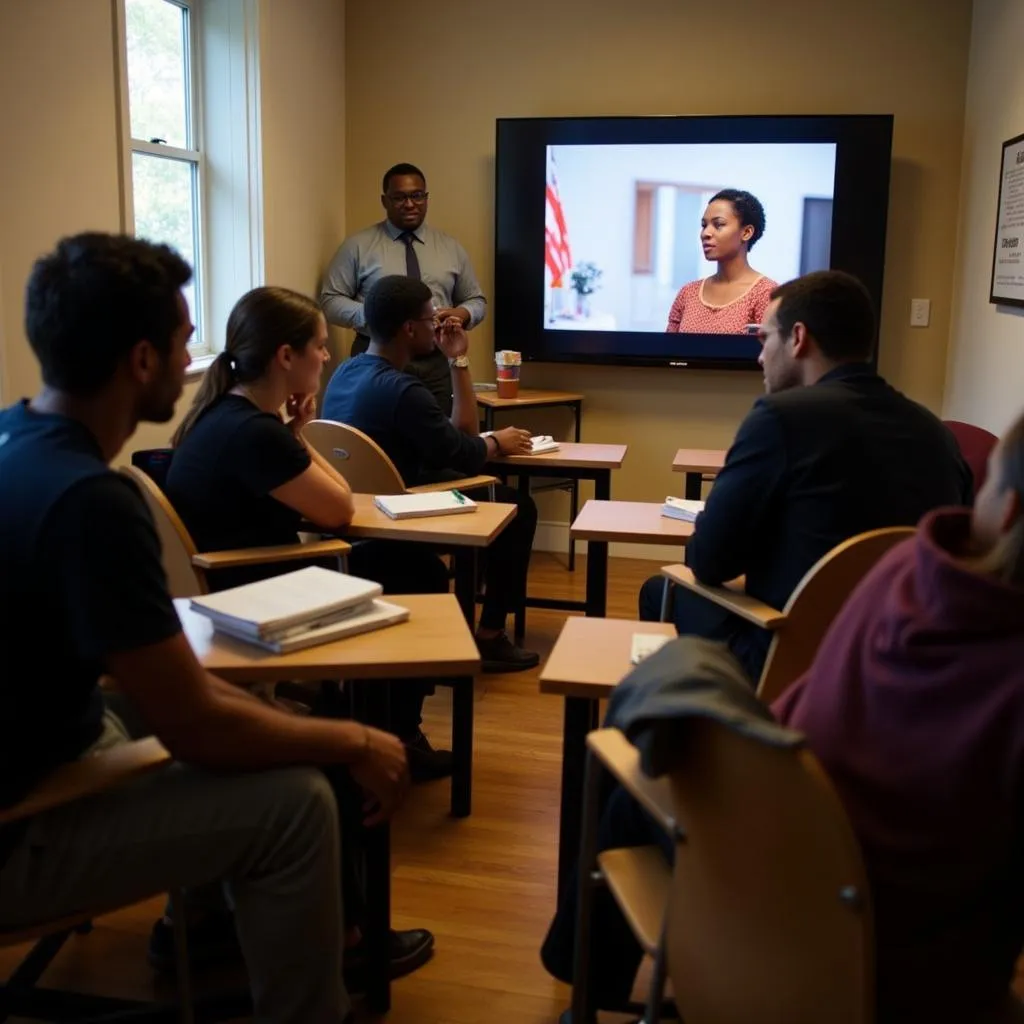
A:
x: 915, y: 706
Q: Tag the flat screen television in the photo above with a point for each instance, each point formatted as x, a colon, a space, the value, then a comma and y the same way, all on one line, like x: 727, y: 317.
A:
x: 599, y: 227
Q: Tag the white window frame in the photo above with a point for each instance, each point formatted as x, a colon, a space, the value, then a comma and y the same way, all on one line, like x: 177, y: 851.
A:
x: 195, y: 156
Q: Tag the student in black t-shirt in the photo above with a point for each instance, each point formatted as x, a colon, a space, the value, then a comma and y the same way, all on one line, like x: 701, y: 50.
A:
x: 241, y: 477
x: 81, y: 560
x: 372, y: 393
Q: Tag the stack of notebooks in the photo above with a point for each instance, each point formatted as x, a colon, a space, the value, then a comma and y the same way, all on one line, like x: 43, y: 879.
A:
x: 417, y: 506
x: 682, y: 508
x: 299, y: 609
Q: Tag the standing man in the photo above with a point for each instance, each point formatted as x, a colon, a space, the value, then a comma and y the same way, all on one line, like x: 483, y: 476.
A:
x: 403, y: 244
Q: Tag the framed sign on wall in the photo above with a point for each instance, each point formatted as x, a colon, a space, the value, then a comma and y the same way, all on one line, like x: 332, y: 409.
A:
x: 1007, y: 288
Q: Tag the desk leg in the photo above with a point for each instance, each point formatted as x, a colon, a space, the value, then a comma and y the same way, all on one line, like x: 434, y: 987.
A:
x: 488, y: 417
x: 377, y: 705
x: 692, y: 486
x: 597, y: 578
x: 580, y: 718
x: 464, y: 564
x: 462, y: 747
x: 577, y: 415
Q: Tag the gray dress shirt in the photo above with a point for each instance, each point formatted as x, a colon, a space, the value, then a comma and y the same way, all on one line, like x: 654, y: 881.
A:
x: 378, y: 252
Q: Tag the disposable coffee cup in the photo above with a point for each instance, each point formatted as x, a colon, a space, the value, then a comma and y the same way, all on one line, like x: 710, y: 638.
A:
x: 507, y: 365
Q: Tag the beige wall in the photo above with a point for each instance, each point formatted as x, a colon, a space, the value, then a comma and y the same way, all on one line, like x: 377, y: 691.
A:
x: 58, y: 112
x: 986, y: 357
x: 60, y: 170
x: 302, y: 84
x: 481, y: 60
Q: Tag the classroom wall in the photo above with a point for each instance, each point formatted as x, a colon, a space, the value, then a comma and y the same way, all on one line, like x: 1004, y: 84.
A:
x: 478, y: 61
x: 61, y: 172
x: 986, y: 355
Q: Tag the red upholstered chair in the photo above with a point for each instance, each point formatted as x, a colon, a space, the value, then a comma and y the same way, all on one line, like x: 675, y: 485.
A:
x: 976, y: 445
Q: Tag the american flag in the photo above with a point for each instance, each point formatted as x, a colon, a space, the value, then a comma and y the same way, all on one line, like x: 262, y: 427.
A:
x: 557, y: 255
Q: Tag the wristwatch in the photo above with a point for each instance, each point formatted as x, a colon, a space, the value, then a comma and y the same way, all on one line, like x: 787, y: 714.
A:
x: 459, y: 362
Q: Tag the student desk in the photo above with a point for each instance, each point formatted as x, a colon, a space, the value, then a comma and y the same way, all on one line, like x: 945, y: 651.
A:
x: 636, y: 522
x: 464, y: 534
x: 697, y: 464
x: 533, y: 398
x: 587, y: 662
x: 434, y: 641
x: 574, y: 462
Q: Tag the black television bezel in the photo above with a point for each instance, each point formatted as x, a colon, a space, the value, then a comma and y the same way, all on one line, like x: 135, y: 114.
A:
x: 860, y: 215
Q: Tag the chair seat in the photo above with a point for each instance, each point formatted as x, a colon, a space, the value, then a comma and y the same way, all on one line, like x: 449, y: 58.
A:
x: 640, y: 880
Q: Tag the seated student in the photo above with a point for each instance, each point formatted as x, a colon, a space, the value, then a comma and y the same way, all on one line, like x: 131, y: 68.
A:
x: 240, y: 477
x: 109, y: 325
x: 829, y: 452
x: 915, y: 706
x: 371, y: 393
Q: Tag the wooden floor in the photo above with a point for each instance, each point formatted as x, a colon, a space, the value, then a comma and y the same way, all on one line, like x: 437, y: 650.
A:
x: 484, y: 885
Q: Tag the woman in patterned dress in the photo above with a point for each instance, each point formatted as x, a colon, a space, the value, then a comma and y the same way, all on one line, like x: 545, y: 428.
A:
x: 736, y: 295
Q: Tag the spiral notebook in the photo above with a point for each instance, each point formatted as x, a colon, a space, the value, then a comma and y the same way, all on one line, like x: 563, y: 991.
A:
x: 433, y: 503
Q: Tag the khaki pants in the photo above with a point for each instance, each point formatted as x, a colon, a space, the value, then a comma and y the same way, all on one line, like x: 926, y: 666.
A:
x: 272, y: 837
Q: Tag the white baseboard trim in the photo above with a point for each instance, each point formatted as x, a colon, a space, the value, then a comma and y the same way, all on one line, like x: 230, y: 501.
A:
x: 554, y: 536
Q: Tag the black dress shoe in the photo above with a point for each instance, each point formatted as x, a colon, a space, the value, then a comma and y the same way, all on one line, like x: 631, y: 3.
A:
x: 426, y: 763
x: 408, y: 951
x: 213, y: 942
x: 499, y: 654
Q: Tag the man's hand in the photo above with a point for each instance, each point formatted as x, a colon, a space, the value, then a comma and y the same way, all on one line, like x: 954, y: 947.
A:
x: 452, y: 339
x: 383, y: 772
x: 459, y: 312
x: 512, y: 441
x: 301, y: 409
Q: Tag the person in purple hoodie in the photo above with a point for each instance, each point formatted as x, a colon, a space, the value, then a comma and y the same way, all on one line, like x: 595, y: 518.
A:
x: 915, y: 706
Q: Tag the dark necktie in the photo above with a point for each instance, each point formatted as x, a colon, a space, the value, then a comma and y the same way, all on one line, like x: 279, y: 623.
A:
x: 412, y: 263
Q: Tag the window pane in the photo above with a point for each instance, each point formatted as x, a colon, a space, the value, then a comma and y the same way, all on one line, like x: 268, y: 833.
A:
x: 157, y: 31
x: 164, y: 198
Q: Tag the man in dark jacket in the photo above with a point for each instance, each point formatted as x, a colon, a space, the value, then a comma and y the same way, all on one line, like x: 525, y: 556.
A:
x: 829, y: 452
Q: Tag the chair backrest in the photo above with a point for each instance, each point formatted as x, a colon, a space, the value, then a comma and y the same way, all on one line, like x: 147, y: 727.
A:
x: 356, y: 456
x: 155, y: 463
x: 976, y: 444
x: 816, y: 602
x: 769, y: 917
x: 177, y: 547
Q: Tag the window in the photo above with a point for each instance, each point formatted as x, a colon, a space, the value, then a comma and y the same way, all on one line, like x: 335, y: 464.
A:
x: 165, y: 200
x: 192, y: 168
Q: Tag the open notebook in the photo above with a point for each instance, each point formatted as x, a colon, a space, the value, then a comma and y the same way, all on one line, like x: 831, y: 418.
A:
x: 542, y: 443
x: 278, y: 608
x: 434, y: 503
x: 682, y: 508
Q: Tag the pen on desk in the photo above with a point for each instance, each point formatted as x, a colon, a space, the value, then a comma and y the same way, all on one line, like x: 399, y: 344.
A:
x: 459, y: 497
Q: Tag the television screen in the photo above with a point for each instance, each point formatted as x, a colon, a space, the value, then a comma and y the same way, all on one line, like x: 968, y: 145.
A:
x: 659, y: 240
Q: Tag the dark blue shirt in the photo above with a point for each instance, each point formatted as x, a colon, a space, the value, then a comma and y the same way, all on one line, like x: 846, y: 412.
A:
x: 81, y: 579
x: 813, y: 466
x: 403, y: 417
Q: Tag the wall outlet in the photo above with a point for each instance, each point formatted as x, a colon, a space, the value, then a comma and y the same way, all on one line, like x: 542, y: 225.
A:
x: 920, y: 312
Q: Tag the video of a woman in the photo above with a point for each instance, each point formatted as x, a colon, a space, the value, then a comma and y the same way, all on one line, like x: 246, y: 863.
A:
x: 660, y: 237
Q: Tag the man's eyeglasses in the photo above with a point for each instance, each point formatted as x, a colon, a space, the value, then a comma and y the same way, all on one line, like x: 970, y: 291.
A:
x: 401, y: 198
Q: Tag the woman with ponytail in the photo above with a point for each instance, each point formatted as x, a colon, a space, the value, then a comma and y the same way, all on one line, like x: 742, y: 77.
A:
x: 242, y: 477
x: 242, y: 474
